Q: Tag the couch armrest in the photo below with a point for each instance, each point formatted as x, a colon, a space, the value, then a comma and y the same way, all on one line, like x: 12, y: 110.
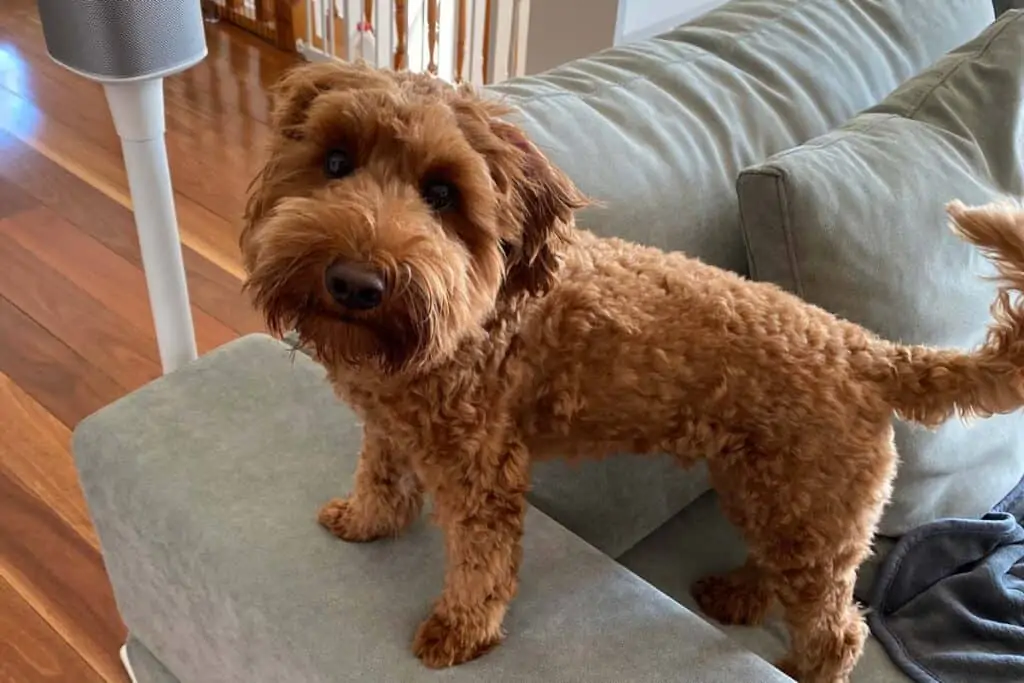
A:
x: 204, y: 487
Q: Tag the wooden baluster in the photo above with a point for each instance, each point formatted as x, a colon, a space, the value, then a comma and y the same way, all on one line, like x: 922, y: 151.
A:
x: 284, y: 27
x: 460, y: 45
x: 368, y: 15
x: 487, y: 40
x: 211, y: 11
x: 264, y: 15
x: 401, y: 27
x: 432, y: 25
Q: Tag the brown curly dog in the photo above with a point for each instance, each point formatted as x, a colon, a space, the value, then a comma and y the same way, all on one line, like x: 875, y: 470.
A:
x: 426, y: 253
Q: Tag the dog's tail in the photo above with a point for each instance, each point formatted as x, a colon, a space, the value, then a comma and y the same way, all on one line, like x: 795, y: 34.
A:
x: 929, y: 385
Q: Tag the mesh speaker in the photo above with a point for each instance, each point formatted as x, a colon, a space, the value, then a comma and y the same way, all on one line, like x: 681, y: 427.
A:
x: 123, y: 40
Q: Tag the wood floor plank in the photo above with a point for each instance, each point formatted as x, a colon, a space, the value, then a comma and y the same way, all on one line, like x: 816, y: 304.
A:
x: 55, y: 90
x: 14, y: 200
x: 111, y: 280
x: 81, y: 155
x: 216, y: 121
x: 211, y: 234
x: 65, y: 384
x: 96, y: 333
x: 212, y: 289
x: 234, y: 78
x: 240, y: 91
x: 31, y: 651
x: 215, y: 136
x: 75, y: 329
x: 220, y: 140
x: 36, y: 451
x: 60, y: 575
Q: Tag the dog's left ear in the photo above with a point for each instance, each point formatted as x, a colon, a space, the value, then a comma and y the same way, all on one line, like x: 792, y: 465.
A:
x: 537, y: 200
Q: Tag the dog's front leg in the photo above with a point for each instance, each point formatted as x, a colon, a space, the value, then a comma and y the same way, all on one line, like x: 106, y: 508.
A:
x: 480, y: 506
x: 386, y: 498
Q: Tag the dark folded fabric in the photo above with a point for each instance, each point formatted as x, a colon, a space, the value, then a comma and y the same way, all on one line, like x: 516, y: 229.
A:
x: 948, y: 601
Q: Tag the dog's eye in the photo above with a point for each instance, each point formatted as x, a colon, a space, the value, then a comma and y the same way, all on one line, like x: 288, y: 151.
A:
x: 338, y: 164
x: 440, y: 195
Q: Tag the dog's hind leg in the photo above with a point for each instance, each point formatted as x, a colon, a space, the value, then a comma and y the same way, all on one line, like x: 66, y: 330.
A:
x: 386, y: 498
x: 808, y: 514
x: 827, y: 630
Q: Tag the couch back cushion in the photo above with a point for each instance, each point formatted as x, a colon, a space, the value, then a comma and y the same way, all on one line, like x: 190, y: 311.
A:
x: 854, y: 222
x: 658, y: 131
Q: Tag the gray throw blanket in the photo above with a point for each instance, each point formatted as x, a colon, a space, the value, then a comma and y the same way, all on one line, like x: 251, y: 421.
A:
x: 948, y: 601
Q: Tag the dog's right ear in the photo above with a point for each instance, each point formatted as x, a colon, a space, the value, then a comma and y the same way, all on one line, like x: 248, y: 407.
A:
x: 295, y: 91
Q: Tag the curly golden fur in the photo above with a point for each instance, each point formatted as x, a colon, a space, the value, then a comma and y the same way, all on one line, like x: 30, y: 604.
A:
x: 504, y: 333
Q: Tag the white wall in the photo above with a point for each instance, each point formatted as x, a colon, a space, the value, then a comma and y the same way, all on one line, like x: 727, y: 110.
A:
x: 639, y: 19
x: 564, y: 30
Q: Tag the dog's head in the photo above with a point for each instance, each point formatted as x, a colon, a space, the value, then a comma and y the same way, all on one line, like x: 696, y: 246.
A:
x: 394, y: 213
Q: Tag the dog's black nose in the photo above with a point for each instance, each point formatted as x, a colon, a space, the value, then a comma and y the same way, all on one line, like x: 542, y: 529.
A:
x: 354, y: 285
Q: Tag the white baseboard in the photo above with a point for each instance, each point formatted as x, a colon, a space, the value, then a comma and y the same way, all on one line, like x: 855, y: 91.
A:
x: 127, y: 665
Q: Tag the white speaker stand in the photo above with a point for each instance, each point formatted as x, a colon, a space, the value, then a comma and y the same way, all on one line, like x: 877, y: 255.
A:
x: 138, y: 111
x: 130, y: 48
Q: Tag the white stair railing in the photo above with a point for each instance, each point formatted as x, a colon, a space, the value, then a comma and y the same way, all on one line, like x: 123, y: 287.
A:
x: 479, y: 41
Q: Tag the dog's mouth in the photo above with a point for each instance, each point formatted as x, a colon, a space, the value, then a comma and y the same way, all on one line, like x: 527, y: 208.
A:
x: 378, y: 320
x: 378, y: 334
x: 351, y: 318
x: 391, y: 336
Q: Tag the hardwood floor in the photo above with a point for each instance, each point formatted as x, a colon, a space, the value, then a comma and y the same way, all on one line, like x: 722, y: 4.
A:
x: 75, y: 325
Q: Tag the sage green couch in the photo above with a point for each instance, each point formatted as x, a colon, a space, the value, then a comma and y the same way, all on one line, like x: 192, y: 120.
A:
x: 204, y: 484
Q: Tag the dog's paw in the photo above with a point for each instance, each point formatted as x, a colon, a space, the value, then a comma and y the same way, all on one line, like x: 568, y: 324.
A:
x: 788, y: 666
x: 348, y: 522
x: 735, y: 599
x: 440, y: 643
